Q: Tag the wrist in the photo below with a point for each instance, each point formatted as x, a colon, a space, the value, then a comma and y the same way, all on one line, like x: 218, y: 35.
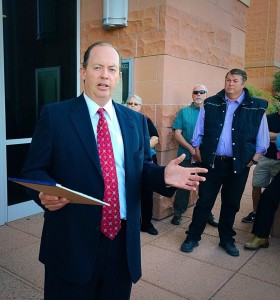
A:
x: 254, y: 161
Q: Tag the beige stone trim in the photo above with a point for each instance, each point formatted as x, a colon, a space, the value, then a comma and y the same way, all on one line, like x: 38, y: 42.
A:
x: 246, y: 2
x: 267, y: 63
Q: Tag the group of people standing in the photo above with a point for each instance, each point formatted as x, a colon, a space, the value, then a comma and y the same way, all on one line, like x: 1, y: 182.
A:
x: 184, y: 126
x: 103, y: 149
x: 228, y: 133
x: 232, y: 133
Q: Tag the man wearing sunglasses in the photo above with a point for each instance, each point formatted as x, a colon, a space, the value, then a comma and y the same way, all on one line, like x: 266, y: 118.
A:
x: 230, y: 135
x: 184, y: 126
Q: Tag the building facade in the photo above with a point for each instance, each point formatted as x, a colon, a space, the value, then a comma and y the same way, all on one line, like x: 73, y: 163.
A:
x: 262, y: 55
x: 174, y: 45
x: 166, y: 47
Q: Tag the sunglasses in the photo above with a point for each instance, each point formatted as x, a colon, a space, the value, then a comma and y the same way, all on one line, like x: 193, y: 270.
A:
x: 199, y: 92
x: 132, y: 103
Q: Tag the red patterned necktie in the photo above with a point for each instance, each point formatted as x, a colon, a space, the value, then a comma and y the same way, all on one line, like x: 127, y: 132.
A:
x: 111, y: 221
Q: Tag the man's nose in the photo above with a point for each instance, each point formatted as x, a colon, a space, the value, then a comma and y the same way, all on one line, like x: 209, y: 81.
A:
x: 104, y: 73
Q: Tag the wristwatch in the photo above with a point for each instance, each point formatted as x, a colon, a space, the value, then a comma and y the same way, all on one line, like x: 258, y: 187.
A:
x: 254, y: 161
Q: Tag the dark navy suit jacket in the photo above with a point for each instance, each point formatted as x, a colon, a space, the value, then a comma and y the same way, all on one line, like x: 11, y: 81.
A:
x: 64, y: 150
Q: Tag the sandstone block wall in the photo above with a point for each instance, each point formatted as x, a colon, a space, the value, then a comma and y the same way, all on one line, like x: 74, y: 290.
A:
x: 262, y: 53
x: 175, y: 44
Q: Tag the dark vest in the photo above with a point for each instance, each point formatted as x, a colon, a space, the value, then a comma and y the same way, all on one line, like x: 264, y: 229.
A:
x: 245, y: 127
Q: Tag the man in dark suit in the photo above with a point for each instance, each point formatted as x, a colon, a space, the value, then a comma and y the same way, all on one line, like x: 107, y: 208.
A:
x: 80, y: 261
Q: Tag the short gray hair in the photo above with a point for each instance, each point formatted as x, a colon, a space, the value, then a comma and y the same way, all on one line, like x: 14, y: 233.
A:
x: 200, y: 84
x: 138, y: 98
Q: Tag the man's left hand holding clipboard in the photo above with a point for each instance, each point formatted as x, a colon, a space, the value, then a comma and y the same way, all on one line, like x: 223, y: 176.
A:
x: 54, y: 196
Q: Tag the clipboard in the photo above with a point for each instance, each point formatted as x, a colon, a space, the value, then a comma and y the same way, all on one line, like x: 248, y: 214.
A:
x: 53, y: 188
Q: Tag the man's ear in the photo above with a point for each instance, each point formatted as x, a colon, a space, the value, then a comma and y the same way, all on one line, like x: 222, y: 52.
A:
x: 82, y: 73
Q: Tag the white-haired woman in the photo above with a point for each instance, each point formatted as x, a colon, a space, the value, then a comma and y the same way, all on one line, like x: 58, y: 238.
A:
x: 134, y: 102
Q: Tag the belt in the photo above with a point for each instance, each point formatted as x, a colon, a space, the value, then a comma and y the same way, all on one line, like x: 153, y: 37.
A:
x: 222, y: 157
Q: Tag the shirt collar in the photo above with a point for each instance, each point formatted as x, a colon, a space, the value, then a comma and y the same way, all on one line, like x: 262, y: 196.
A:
x: 194, y: 107
x: 93, y: 107
x: 239, y: 99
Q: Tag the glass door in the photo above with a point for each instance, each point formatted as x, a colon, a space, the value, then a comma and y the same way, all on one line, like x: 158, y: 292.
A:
x: 39, y: 44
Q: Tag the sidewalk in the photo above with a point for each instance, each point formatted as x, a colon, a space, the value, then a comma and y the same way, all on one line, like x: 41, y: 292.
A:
x: 168, y: 274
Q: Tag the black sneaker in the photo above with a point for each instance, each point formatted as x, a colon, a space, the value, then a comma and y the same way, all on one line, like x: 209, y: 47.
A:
x: 212, y: 221
x: 230, y: 248
x: 149, y: 229
x: 176, y: 220
x: 188, y: 245
x: 250, y: 218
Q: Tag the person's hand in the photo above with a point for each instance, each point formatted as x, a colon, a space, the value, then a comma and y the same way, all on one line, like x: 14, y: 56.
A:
x: 153, y: 141
x: 183, y: 178
x: 51, y: 202
x: 197, y: 155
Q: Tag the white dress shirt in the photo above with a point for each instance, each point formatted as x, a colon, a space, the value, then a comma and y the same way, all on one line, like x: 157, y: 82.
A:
x: 117, y: 143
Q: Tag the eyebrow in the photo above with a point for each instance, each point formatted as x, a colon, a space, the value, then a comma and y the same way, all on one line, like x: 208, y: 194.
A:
x: 99, y: 64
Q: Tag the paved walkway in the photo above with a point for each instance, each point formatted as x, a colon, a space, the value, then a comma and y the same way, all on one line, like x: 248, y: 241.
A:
x: 168, y: 274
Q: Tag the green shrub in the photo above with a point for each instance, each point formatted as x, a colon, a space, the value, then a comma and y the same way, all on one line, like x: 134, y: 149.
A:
x: 273, y: 101
x: 259, y: 93
x: 276, y: 82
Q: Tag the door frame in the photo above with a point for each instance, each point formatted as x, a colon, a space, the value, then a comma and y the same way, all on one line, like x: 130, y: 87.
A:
x: 3, y: 160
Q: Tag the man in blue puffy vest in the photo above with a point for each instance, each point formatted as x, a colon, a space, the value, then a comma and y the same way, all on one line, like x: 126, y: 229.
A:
x: 230, y: 135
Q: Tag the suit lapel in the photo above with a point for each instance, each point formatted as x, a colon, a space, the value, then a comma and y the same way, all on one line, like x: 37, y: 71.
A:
x: 81, y: 119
